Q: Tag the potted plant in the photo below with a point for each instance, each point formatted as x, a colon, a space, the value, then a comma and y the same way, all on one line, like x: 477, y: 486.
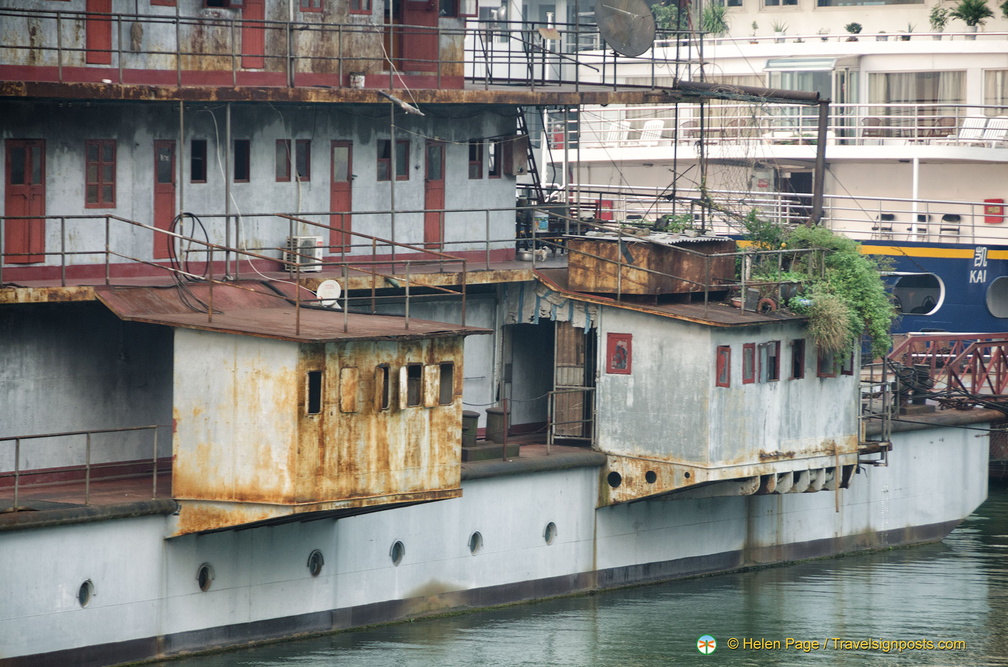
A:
x: 909, y: 31
x: 715, y: 19
x: 1004, y: 9
x: 972, y: 13
x: 755, y: 27
x: 779, y: 28
x: 938, y: 17
x: 824, y: 33
x: 853, y: 28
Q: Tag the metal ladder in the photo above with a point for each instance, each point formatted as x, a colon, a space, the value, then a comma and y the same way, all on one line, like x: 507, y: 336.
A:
x: 532, y: 168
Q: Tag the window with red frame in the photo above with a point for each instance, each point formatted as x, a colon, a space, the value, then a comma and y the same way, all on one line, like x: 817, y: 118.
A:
x: 494, y: 159
x: 283, y: 160
x: 847, y: 365
x: 302, y: 159
x: 100, y: 173
x: 360, y: 6
x: 825, y: 364
x: 769, y: 361
x: 475, y: 159
x: 723, y: 366
x: 748, y: 363
x: 385, y: 160
x: 311, y: 5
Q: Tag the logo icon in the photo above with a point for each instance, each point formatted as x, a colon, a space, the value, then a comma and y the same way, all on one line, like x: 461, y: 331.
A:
x: 706, y: 644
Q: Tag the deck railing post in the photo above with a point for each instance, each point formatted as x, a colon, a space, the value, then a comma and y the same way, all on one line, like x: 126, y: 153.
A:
x: 154, y: 488
x: 407, y: 292
x: 108, y: 257
x: 17, y: 470
x: 63, y: 263
x: 87, y: 469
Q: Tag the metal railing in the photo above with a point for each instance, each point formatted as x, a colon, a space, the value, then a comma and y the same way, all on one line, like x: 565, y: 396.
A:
x: 17, y: 473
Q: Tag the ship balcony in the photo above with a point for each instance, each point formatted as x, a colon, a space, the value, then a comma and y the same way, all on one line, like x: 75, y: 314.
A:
x: 734, y: 131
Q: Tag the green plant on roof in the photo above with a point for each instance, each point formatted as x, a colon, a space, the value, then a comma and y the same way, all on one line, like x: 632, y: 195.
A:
x: 669, y: 18
x: 779, y: 26
x: 715, y: 19
x: 853, y: 27
x: 938, y: 17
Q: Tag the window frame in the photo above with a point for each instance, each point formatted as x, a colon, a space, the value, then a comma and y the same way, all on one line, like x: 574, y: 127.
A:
x: 722, y: 366
x: 302, y: 153
x: 769, y: 354
x: 361, y: 6
x: 748, y: 359
x: 495, y: 164
x: 283, y: 161
x: 825, y: 364
x: 100, y: 163
x: 797, y: 359
x: 476, y: 154
x: 401, y: 162
x: 311, y: 10
x: 197, y: 156
x: 847, y: 364
x: 246, y: 154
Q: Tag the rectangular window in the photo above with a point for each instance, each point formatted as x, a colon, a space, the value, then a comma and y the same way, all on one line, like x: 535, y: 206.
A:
x: 748, y: 363
x: 100, y: 170
x: 769, y: 361
x: 360, y: 6
x: 458, y: 7
x: 446, y: 392
x: 996, y: 92
x: 385, y: 160
x: 734, y: 3
x: 494, y: 158
x: 724, y: 366
x: 414, y: 384
x: 847, y: 366
x: 798, y: 359
x: 855, y: 3
x: 384, y: 387
x: 314, y: 404
x: 311, y: 5
x: 475, y: 159
x: 825, y: 365
x: 163, y: 3
x: 283, y: 161
x: 242, y: 160
x: 198, y: 161
x: 303, y: 159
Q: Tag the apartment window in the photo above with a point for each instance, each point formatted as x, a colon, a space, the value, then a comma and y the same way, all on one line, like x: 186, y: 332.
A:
x: 475, y: 159
x: 825, y: 364
x: 996, y: 92
x: 724, y: 366
x: 311, y: 5
x: 314, y: 392
x: 748, y: 363
x: 385, y: 160
x: 798, y: 359
x: 446, y: 384
x: 494, y: 158
x: 769, y: 361
x: 100, y: 172
x: 198, y: 161
x: 360, y: 6
x: 242, y: 160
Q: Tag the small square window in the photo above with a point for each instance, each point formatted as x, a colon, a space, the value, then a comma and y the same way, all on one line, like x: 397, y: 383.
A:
x: 724, y: 366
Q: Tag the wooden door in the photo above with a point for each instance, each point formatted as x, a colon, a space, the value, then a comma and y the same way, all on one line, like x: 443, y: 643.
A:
x: 340, y: 196
x: 419, y: 36
x: 569, y: 380
x: 98, y: 32
x: 434, y: 194
x: 164, y: 196
x: 253, y: 34
x: 24, y: 240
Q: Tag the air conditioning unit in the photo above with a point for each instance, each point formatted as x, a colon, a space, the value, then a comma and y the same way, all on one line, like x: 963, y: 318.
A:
x: 305, y: 251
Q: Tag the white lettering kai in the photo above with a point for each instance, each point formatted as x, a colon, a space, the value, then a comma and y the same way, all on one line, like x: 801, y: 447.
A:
x: 978, y: 276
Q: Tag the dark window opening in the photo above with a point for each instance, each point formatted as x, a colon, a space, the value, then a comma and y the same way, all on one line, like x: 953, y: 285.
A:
x: 847, y: 365
x: 384, y: 388
x: 303, y: 159
x: 825, y: 364
x: 724, y: 366
x: 283, y: 160
x: 242, y: 160
x: 385, y: 160
x: 446, y: 393
x: 314, y: 392
x: 748, y: 363
x: 475, y: 159
x: 311, y: 5
x: 494, y: 159
x: 917, y: 294
x: 198, y: 161
x: 414, y: 384
x: 798, y: 359
x: 360, y: 6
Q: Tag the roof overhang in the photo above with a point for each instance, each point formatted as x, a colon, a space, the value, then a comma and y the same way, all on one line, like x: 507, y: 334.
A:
x: 809, y: 64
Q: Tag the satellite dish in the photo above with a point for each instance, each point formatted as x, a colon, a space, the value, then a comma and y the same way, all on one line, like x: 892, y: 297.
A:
x: 628, y: 26
x: 328, y: 293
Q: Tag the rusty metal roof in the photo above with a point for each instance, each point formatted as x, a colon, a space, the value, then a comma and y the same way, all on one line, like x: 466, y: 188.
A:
x: 254, y: 308
x: 716, y: 313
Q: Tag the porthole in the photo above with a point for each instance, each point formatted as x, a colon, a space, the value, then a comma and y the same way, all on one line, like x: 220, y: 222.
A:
x: 917, y: 293
x: 997, y: 297
x: 687, y: 475
x: 85, y: 593
x: 205, y: 576
x: 397, y: 552
x: 475, y: 542
x: 315, y: 562
x: 550, y: 533
x: 614, y: 479
x: 650, y: 477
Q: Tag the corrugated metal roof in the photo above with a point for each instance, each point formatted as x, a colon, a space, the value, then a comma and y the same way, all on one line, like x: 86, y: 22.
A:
x: 255, y: 309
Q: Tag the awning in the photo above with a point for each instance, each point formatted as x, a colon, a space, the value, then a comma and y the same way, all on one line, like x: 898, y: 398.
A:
x: 809, y: 64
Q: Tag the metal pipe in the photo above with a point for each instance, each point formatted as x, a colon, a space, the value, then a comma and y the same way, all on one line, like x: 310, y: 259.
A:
x: 87, y: 469
x: 819, y: 174
x: 154, y: 489
x: 17, y: 470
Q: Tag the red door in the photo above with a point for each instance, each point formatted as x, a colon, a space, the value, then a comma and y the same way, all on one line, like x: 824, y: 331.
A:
x: 419, y: 36
x: 253, y: 34
x: 340, y: 199
x: 164, y: 196
x: 434, y: 194
x: 24, y: 240
x: 98, y: 32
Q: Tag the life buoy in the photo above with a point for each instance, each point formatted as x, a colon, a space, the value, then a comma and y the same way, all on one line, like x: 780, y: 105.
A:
x: 766, y: 305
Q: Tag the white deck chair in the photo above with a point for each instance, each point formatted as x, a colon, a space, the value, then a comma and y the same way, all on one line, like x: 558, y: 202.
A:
x: 651, y: 134
x: 616, y: 134
x: 971, y: 131
x: 996, y: 131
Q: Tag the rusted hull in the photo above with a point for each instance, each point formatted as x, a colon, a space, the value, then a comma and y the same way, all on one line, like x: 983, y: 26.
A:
x: 639, y: 267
